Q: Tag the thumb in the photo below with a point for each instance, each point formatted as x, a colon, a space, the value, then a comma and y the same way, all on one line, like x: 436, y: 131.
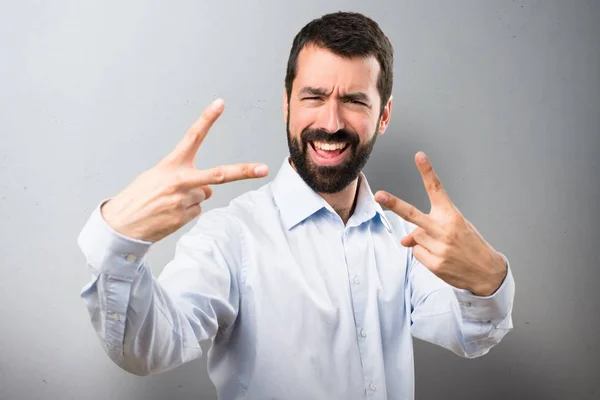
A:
x: 408, y: 241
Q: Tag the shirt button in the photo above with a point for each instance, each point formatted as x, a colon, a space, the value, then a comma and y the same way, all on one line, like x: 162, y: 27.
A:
x: 356, y: 280
x: 466, y: 304
x: 372, y: 386
x: 131, y: 258
x: 116, y: 317
x: 363, y: 333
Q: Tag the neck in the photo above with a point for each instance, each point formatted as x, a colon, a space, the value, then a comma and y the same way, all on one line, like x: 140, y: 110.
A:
x: 343, y: 202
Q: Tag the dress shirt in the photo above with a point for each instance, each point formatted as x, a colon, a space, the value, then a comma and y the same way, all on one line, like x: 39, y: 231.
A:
x: 296, y: 304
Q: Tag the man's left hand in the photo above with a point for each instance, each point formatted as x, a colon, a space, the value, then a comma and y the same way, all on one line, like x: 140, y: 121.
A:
x: 444, y: 241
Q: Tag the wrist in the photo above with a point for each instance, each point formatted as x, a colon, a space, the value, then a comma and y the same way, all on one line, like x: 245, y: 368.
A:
x: 109, y: 214
x: 496, y: 271
x: 106, y: 211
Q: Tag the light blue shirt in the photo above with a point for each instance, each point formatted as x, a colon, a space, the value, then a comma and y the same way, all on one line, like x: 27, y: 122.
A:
x: 297, y: 304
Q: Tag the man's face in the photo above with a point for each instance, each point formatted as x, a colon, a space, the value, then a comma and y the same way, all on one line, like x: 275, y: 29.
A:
x: 333, y: 117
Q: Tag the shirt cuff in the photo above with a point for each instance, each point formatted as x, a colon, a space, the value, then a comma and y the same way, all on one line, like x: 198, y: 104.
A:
x: 495, y: 307
x: 108, y: 251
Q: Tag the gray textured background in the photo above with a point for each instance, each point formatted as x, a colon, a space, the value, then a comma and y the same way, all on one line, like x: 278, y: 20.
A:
x: 504, y: 96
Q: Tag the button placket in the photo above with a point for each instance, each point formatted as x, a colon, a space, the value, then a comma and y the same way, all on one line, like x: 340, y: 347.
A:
x: 353, y: 247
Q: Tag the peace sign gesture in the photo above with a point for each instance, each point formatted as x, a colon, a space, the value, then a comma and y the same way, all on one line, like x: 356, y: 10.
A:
x: 167, y: 196
x: 444, y: 241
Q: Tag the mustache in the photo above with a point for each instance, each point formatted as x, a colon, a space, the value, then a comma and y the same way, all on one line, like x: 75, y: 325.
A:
x: 321, y: 135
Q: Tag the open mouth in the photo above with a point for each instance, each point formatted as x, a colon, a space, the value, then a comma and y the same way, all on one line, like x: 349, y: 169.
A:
x: 328, y: 153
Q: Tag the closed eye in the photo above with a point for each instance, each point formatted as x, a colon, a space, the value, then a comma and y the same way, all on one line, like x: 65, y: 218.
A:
x: 357, y: 102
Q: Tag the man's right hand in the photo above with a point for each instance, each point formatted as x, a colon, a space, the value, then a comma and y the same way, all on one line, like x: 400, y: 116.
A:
x: 166, y: 197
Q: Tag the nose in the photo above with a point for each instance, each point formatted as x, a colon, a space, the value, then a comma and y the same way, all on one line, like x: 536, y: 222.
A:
x: 330, y: 118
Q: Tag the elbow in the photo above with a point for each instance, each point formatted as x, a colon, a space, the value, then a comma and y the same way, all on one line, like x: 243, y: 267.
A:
x: 483, y: 346
x: 130, y: 362
x: 141, y: 361
x: 474, y: 351
x: 133, y: 365
x: 141, y: 367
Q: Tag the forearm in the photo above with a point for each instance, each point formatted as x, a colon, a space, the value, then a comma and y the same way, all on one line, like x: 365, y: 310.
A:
x: 133, y: 327
x: 147, y: 326
x: 455, y: 319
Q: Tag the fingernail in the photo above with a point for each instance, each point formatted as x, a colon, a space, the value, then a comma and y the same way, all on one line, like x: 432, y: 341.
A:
x: 381, y: 197
x: 217, y: 104
x: 261, y: 170
x: 422, y: 158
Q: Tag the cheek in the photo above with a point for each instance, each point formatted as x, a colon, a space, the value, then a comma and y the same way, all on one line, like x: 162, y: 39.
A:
x: 301, y: 119
x: 364, y: 126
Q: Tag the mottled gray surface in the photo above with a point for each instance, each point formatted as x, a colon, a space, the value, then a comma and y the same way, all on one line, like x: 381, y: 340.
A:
x: 503, y: 96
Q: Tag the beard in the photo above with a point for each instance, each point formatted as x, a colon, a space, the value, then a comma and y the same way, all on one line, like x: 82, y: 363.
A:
x: 329, y: 178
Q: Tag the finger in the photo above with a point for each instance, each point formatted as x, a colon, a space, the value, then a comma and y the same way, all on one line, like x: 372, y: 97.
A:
x: 192, y: 212
x: 420, y: 237
x: 229, y: 173
x: 186, y: 149
x: 407, y: 212
x: 425, y: 257
x: 408, y: 241
x: 194, y: 196
x: 207, y: 192
x: 433, y: 184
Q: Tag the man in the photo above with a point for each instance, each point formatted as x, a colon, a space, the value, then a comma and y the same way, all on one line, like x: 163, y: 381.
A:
x: 307, y: 288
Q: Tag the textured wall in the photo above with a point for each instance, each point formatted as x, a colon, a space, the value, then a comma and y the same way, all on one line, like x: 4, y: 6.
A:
x: 503, y: 96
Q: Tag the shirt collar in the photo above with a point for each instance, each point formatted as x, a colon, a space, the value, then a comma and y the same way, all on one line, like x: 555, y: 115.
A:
x: 297, y: 201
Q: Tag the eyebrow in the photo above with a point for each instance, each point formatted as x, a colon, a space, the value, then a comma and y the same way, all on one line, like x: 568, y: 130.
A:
x: 313, y: 91
x: 316, y: 91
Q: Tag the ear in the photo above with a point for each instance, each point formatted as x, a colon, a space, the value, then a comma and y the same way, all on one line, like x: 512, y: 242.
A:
x: 285, y: 106
x: 385, y: 117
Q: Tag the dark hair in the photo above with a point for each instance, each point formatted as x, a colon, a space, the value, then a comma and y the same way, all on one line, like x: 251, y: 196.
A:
x: 346, y: 34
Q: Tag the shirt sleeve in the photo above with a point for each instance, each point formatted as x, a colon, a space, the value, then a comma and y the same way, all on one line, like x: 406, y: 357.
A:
x: 456, y: 319
x: 148, y: 325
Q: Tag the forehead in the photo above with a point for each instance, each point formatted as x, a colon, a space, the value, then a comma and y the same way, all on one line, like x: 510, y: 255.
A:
x: 318, y: 67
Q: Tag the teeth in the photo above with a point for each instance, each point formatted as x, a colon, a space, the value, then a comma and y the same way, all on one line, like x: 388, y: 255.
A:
x: 329, y: 146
